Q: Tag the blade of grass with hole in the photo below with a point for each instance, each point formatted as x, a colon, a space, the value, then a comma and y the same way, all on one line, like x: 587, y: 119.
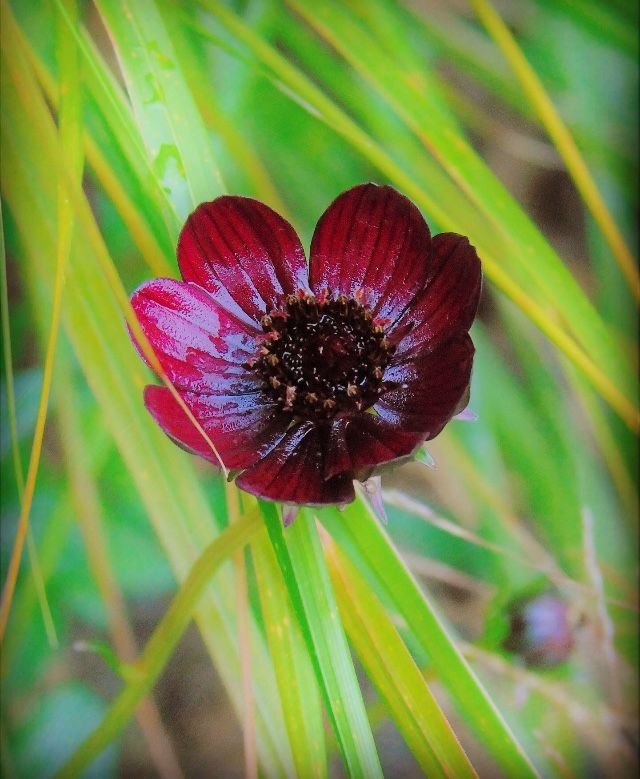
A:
x: 176, y: 138
x: 107, y: 106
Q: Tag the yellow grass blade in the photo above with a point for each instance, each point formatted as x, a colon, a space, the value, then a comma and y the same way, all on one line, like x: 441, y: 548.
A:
x: 160, y: 646
x: 562, y: 139
x: 244, y: 639
x: 36, y: 450
x: 32, y: 550
x: 609, y: 391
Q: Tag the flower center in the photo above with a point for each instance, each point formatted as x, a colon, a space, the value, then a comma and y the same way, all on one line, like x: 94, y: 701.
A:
x: 322, y: 356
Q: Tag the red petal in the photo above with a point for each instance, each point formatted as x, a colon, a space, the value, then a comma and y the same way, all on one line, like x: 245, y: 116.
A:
x: 243, y: 428
x: 293, y: 472
x: 242, y: 245
x: 430, y: 388
x: 366, y: 440
x: 201, y: 346
x: 371, y: 238
x: 450, y: 298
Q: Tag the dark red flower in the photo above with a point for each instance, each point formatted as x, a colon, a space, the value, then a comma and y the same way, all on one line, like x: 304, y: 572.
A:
x: 308, y: 378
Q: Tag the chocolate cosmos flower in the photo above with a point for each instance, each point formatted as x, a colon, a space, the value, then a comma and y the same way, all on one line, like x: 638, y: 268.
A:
x: 308, y: 378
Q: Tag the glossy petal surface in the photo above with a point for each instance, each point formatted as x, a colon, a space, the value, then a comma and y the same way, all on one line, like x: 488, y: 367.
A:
x: 243, y: 428
x: 429, y: 388
x: 449, y: 301
x: 363, y: 441
x: 293, y: 472
x: 253, y: 383
x: 202, y: 346
x: 241, y: 245
x: 371, y: 238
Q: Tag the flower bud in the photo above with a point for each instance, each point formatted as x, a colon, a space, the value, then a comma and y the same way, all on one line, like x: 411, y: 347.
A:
x: 540, y: 630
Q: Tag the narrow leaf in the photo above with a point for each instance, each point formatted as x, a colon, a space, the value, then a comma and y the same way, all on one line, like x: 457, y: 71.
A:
x: 162, y: 643
x: 300, y: 556
x: 391, y: 668
x: 176, y: 139
x: 362, y: 537
x: 299, y: 693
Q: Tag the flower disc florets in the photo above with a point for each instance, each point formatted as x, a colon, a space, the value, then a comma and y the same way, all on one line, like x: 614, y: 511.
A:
x: 321, y: 356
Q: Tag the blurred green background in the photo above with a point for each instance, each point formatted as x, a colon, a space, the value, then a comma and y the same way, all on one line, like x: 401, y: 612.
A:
x: 156, y: 106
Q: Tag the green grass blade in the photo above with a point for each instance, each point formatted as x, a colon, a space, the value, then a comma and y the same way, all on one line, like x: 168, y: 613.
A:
x: 90, y: 517
x: 160, y: 646
x: 299, y: 693
x: 302, y: 563
x: 177, y: 141
x: 8, y: 362
x: 361, y: 536
x: 108, y: 107
x: 602, y: 20
x: 308, y: 50
x: 391, y: 668
x: 191, y: 52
